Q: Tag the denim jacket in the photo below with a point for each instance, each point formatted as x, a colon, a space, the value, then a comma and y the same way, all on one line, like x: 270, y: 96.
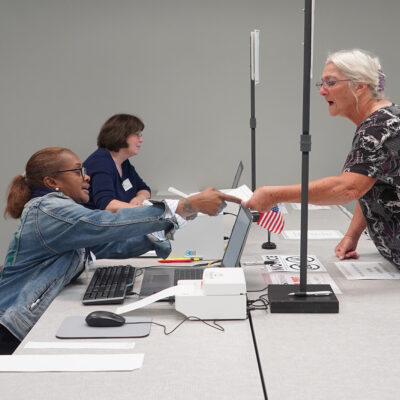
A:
x: 47, y: 251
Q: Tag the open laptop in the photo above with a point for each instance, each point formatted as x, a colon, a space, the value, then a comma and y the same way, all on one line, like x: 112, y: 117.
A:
x: 238, y: 174
x: 159, y: 278
x: 204, y: 237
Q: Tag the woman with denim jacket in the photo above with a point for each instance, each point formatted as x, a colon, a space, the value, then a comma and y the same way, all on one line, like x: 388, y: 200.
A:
x: 48, y: 248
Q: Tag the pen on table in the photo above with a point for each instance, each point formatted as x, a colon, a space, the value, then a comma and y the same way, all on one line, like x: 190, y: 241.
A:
x: 304, y: 294
x: 266, y: 262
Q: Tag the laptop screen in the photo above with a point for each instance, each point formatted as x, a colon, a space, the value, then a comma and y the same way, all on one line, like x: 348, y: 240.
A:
x: 237, y: 239
x: 236, y: 180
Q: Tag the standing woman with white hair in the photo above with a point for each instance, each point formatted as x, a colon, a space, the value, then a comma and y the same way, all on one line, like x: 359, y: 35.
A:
x: 352, y: 84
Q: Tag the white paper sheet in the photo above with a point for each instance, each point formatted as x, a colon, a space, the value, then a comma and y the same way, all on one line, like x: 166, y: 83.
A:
x: 368, y: 270
x: 70, y: 362
x: 297, y: 206
x: 323, y: 278
x: 173, y: 190
x: 171, y: 291
x: 243, y: 192
x: 313, y: 234
x: 291, y: 263
x: 80, y: 345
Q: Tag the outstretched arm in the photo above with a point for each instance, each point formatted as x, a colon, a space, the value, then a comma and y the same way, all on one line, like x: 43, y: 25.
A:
x: 341, y: 189
x: 210, y: 201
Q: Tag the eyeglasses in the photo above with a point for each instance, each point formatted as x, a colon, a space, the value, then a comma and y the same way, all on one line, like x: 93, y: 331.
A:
x: 329, y: 83
x: 138, y: 134
x: 82, y: 171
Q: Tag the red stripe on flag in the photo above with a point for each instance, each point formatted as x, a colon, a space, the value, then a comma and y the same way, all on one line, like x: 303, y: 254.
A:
x: 271, y: 220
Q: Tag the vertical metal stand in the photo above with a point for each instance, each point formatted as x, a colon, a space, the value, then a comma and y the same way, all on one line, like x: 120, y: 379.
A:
x: 305, y: 145
x: 266, y: 245
x: 279, y: 297
x: 253, y: 124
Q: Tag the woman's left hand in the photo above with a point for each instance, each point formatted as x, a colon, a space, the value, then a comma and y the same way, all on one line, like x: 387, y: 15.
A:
x: 137, y: 201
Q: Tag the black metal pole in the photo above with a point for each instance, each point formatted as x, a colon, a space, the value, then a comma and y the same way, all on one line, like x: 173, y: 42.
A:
x: 295, y: 298
x: 305, y: 143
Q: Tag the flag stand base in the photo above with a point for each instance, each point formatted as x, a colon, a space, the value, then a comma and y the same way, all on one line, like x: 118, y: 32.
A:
x: 268, y: 245
x: 281, y: 302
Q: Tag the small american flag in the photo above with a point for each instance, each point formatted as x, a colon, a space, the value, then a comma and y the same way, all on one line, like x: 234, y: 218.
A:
x: 272, y: 220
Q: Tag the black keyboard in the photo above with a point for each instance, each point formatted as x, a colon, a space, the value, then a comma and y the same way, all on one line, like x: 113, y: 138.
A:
x: 188, y: 273
x: 109, y: 285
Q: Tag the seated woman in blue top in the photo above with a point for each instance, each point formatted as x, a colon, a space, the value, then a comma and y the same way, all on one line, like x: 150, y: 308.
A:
x: 115, y: 184
x: 47, y: 251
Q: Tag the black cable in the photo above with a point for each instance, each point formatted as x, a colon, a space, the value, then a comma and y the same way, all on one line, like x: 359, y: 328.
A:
x: 258, y: 290
x: 191, y: 318
x: 251, y: 306
x: 262, y: 298
x: 229, y: 213
x: 141, y: 270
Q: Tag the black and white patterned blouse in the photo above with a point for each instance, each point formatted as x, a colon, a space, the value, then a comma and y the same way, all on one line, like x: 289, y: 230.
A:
x: 376, y: 153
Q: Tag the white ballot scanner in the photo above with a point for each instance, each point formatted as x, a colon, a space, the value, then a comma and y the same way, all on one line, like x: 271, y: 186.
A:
x: 221, y: 294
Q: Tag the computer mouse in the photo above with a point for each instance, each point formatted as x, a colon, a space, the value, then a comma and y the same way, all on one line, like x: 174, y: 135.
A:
x: 104, y: 319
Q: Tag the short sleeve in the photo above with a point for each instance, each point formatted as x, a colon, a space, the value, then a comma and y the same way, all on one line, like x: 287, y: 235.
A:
x: 371, y: 154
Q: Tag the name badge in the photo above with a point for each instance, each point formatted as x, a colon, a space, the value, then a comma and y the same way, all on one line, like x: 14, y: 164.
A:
x: 126, y: 184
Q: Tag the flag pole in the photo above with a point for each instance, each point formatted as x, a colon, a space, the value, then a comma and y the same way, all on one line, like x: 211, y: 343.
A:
x: 268, y: 245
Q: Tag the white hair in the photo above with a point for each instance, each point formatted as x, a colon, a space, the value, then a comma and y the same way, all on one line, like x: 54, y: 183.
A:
x: 360, y: 66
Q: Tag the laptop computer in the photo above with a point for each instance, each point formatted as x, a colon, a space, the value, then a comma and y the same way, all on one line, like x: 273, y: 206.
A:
x: 159, y: 278
x: 238, y: 174
x: 204, y: 237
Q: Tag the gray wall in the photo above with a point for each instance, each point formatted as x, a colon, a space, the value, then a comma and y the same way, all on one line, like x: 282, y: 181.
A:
x: 183, y: 67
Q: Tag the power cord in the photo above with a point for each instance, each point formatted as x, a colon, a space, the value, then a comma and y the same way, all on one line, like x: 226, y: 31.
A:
x: 258, y: 290
x: 129, y: 292
x: 263, y: 299
x: 139, y: 272
x: 215, y: 325
x: 229, y: 213
x: 252, y: 304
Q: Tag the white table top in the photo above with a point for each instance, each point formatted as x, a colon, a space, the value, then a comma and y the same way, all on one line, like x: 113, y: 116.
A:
x: 350, y: 355
x: 194, y: 362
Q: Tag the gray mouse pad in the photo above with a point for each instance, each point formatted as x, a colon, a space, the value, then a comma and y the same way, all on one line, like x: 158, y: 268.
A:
x: 77, y: 328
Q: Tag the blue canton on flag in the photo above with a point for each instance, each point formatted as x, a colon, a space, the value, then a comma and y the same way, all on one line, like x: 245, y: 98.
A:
x: 272, y: 220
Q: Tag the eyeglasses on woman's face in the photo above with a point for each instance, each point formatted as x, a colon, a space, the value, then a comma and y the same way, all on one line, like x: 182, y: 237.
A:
x: 81, y: 170
x: 328, y: 83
